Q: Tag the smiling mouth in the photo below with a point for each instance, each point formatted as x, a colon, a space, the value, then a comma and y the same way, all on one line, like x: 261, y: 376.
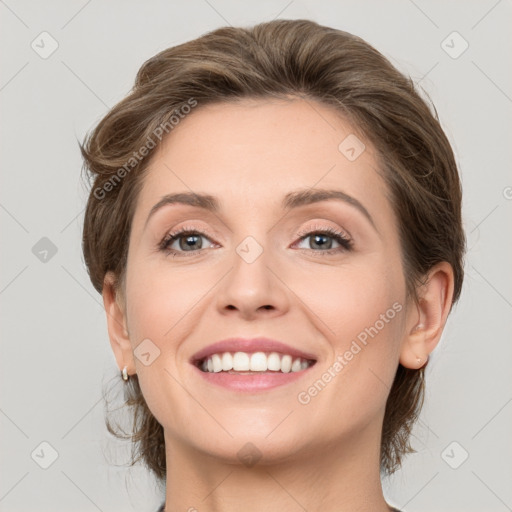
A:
x: 243, y: 363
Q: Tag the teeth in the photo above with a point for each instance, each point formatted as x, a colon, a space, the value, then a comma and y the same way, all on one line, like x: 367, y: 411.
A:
x: 255, y: 362
x: 274, y: 362
x: 296, y: 365
x: 216, y: 363
x: 241, y: 362
x: 258, y: 362
x: 227, y: 361
x: 286, y: 364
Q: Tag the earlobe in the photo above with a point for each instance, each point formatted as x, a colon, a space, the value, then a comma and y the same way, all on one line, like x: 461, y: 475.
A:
x: 426, y: 322
x: 117, y: 325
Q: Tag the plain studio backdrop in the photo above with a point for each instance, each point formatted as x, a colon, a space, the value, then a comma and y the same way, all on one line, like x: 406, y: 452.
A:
x: 64, y: 64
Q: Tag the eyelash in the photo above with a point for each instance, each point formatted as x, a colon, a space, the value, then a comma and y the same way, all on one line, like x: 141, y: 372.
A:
x: 345, y: 242
x: 339, y: 236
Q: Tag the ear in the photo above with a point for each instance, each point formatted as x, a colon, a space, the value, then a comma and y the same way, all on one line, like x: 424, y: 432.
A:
x: 426, y: 321
x: 117, y: 325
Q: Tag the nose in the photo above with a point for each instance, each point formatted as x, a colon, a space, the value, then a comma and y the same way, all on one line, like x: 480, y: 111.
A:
x: 253, y: 289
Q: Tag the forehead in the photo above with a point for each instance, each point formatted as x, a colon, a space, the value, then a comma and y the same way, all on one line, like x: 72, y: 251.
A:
x: 254, y: 152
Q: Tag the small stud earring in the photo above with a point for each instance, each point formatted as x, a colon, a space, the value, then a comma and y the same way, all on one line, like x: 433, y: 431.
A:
x: 419, y: 360
x: 124, y: 374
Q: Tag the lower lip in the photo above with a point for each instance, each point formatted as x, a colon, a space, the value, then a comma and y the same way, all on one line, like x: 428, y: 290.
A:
x: 252, y: 382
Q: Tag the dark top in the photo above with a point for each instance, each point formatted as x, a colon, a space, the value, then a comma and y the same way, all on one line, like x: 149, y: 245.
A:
x: 161, y: 509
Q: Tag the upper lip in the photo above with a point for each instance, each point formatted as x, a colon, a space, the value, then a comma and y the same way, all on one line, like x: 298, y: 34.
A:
x: 250, y: 345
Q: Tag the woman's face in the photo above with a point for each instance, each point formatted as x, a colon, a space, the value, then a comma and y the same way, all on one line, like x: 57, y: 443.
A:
x: 258, y: 268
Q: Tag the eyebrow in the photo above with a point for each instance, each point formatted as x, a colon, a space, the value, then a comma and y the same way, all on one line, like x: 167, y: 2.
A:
x: 291, y: 200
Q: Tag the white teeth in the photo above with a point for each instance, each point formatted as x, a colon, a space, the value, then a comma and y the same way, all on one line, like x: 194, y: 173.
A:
x: 227, y: 361
x: 258, y: 362
x: 286, y: 363
x: 296, y: 366
x: 217, y: 363
x: 255, y: 362
x: 241, y: 362
x: 274, y: 362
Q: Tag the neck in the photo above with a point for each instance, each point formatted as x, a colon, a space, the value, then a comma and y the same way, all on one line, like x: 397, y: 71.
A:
x: 330, y: 478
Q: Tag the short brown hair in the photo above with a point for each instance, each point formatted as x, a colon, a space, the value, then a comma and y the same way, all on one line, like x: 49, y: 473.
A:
x: 278, y: 59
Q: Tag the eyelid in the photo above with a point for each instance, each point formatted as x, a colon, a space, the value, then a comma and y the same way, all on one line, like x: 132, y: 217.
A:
x: 203, y: 230
x: 181, y: 231
x: 301, y: 233
x: 327, y: 227
x: 342, y: 237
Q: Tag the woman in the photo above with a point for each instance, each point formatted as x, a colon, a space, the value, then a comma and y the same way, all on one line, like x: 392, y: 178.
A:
x: 275, y: 228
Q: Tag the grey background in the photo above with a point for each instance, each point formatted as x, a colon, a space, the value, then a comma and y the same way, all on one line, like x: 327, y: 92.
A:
x: 55, y: 354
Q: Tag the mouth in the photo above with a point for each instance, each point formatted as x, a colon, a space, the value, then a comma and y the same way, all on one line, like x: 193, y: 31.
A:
x: 253, y: 363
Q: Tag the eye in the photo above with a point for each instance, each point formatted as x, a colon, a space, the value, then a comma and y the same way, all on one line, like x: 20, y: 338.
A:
x: 321, y: 240
x: 188, y: 240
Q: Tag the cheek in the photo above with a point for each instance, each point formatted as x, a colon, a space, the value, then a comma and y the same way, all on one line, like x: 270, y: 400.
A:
x: 351, y: 298
x: 159, y: 299
x: 361, y: 319
x: 360, y: 311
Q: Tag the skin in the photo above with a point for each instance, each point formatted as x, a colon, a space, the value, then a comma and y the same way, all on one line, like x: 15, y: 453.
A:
x: 323, y: 455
